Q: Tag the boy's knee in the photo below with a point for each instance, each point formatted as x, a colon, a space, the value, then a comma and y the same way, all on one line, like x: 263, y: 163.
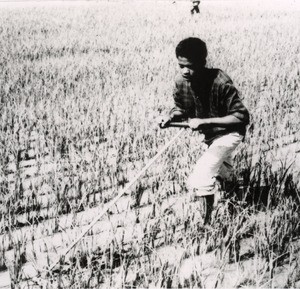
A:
x: 199, y: 182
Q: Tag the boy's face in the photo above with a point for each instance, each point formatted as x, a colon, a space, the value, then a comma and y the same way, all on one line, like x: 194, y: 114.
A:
x: 187, y: 68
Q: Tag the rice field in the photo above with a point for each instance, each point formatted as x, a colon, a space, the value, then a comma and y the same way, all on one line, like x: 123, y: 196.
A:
x: 81, y: 84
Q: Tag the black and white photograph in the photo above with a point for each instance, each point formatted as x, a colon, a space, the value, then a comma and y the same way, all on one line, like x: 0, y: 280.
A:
x: 149, y: 144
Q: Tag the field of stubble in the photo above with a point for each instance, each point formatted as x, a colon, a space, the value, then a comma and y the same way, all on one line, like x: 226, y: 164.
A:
x: 81, y: 85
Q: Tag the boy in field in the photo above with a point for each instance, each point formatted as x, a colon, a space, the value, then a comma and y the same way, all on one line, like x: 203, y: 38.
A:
x: 211, y: 103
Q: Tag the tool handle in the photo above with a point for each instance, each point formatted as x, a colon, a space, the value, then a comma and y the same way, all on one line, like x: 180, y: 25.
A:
x: 178, y: 124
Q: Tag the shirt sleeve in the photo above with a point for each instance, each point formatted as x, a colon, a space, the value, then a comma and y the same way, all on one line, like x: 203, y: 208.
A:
x: 233, y: 103
x: 181, y: 104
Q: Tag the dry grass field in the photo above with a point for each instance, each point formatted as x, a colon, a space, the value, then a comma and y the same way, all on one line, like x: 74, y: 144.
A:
x: 81, y: 84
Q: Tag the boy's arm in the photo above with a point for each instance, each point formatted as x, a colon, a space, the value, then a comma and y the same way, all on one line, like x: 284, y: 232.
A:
x: 181, y: 104
x: 181, y: 109
x: 164, y: 120
x: 234, y: 105
x: 236, y: 114
x: 207, y: 123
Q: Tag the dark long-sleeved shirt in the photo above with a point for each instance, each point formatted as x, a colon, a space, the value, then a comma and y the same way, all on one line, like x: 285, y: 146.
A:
x: 208, y: 95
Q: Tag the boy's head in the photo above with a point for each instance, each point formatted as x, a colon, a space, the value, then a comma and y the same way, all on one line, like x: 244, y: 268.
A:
x: 191, y: 54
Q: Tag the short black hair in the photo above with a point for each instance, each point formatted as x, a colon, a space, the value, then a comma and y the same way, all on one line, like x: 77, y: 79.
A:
x: 193, y: 49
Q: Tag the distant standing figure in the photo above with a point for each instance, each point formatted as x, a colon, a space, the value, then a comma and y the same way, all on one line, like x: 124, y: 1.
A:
x: 195, y: 7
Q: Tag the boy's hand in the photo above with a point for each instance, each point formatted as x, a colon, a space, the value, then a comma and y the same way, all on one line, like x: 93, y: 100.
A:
x: 197, y: 123
x: 163, y: 121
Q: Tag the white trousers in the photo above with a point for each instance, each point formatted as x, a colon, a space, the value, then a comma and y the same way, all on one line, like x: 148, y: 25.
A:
x: 216, y: 161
